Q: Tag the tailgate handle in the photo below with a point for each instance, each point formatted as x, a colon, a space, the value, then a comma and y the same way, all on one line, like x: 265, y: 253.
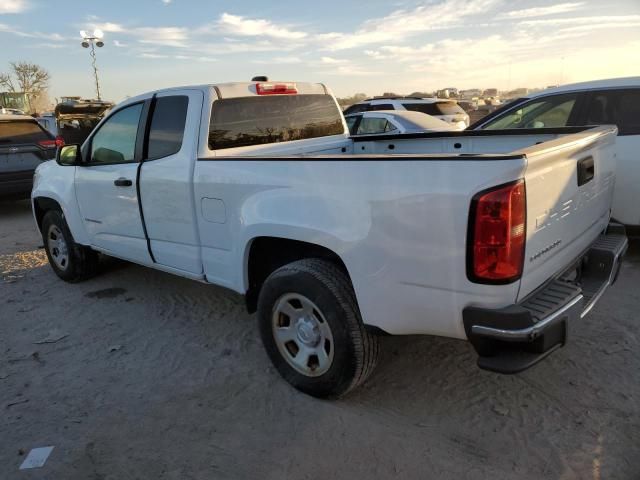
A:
x: 586, y: 170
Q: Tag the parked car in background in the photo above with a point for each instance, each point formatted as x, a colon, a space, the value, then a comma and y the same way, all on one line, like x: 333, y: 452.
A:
x: 48, y: 122
x: 602, y: 102
x: 75, y: 118
x: 446, y: 110
x: 395, y: 122
x: 11, y: 111
x: 468, y: 105
x: 24, y: 145
x: 257, y: 187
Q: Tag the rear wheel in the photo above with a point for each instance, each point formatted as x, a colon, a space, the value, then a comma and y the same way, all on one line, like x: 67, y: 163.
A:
x: 311, y: 328
x: 70, y: 261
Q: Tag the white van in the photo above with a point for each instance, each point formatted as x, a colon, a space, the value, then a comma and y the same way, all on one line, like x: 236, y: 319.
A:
x: 614, y: 101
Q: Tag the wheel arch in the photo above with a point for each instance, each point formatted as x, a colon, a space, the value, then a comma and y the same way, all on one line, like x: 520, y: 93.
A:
x: 265, y: 254
x: 43, y: 202
x: 41, y: 205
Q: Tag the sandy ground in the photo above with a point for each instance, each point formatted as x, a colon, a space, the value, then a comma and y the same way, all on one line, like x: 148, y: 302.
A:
x: 157, y: 377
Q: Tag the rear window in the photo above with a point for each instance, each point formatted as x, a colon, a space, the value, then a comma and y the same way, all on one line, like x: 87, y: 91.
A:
x: 380, y: 106
x: 19, y: 132
x: 357, y: 108
x: 438, y: 108
x: 241, y: 122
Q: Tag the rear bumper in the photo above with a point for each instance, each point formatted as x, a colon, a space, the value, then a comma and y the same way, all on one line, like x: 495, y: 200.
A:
x: 516, y: 337
x: 16, y: 184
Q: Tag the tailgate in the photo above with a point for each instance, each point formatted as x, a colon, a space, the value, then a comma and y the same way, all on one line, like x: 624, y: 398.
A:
x: 569, y: 184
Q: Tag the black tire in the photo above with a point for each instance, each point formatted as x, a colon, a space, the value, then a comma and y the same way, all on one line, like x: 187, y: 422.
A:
x: 81, y: 262
x: 355, y: 351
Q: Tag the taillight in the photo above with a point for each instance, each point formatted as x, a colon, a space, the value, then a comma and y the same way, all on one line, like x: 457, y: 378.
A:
x: 288, y: 88
x: 47, y: 143
x: 59, y: 141
x: 497, y: 233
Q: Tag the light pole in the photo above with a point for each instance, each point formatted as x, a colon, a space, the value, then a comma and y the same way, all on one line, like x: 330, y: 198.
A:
x: 93, y: 40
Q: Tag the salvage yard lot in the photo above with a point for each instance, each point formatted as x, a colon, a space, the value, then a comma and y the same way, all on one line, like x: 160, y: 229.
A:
x: 140, y: 374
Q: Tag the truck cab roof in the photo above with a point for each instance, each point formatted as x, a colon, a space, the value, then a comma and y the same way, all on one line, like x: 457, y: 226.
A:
x: 245, y: 89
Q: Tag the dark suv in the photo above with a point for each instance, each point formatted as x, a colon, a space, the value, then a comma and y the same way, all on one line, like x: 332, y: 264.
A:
x: 24, y: 144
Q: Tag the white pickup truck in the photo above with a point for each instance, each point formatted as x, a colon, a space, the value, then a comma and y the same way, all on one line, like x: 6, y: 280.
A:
x: 497, y: 237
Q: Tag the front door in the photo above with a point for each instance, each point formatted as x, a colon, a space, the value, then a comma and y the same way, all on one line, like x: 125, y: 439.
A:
x: 106, y: 186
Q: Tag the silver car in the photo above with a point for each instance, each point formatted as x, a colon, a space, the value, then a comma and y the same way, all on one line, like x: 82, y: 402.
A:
x: 395, y: 122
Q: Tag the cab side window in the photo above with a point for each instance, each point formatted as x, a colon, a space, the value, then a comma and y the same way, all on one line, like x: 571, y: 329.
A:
x: 167, y: 126
x: 115, y: 142
x: 548, y: 112
x: 616, y: 107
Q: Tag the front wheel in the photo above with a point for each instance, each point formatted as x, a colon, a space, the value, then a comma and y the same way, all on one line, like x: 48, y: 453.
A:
x: 311, y: 328
x: 70, y: 261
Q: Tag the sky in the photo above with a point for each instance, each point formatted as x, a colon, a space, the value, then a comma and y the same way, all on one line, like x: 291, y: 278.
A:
x: 370, y: 46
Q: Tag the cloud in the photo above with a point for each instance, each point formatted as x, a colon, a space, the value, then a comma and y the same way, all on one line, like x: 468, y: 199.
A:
x: 279, y: 60
x: 350, y: 71
x: 152, y: 55
x: 403, y: 23
x: 105, y: 26
x: 195, y: 59
x: 165, y: 36
x: 55, y: 37
x: 13, y: 6
x: 46, y: 45
x: 602, y: 26
x: 542, y: 11
x: 230, y: 46
x: 375, y: 54
x: 333, y: 61
x: 592, y: 20
x: 238, y: 25
x: 166, y: 2
x: 119, y: 44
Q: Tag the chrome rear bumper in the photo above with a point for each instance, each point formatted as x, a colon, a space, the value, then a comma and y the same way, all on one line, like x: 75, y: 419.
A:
x: 513, y: 338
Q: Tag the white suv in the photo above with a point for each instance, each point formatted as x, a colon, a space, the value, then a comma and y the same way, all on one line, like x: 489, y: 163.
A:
x: 614, y: 101
x: 446, y: 110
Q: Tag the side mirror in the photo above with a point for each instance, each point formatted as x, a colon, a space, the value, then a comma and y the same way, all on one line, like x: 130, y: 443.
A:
x: 69, y: 155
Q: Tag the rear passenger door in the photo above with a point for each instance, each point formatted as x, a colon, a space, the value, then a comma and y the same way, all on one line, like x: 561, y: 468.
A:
x: 166, y: 180
x: 621, y: 107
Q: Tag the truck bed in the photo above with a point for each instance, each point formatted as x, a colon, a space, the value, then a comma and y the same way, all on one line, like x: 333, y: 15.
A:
x: 399, y: 218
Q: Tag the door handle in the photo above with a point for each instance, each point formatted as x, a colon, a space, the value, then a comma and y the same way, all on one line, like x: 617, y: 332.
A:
x: 586, y: 170
x: 122, y: 182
